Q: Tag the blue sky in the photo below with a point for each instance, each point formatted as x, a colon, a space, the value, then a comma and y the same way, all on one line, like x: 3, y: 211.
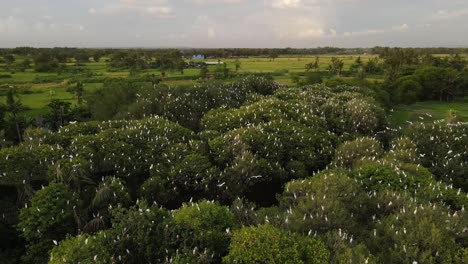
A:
x: 233, y: 23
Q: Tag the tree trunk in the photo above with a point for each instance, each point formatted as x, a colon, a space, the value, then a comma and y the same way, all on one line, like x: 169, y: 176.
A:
x: 18, y: 130
x: 61, y: 116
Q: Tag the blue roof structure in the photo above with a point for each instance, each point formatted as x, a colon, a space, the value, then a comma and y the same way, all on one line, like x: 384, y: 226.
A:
x: 198, y: 57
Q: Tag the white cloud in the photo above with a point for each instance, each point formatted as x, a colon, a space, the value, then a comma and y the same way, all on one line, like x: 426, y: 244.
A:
x: 368, y: 32
x: 298, y: 28
x: 211, y: 33
x: 426, y: 25
x: 403, y: 27
x: 364, y: 32
x: 234, y: 23
x: 285, y: 3
x: 449, y: 14
x: 159, y: 8
x: 19, y: 27
x: 211, y: 2
x: 10, y: 25
x: 162, y: 10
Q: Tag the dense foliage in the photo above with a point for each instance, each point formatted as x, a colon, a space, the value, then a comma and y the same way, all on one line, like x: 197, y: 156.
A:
x: 246, y: 171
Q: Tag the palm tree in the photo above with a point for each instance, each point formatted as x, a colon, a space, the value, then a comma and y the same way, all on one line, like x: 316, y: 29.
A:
x: 238, y: 64
x: 74, y: 175
x: 15, y: 108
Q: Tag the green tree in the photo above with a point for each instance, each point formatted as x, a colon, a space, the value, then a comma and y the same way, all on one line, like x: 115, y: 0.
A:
x: 108, y: 101
x: 267, y: 244
x: 336, y: 66
x: 187, y: 176
x: 45, y: 62
x: 206, y: 226
x: 408, y: 90
x: 452, y: 116
x: 358, y: 68
x: 363, y: 116
x: 342, y: 251
x: 138, y: 234
x: 83, y: 248
x: 111, y: 193
x: 204, y: 72
x: 153, y: 79
x: 59, y: 114
x: 82, y: 56
x: 329, y: 200
x: 358, y: 61
x: 15, y: 109
x: 373, y: 66
x: 222, y: 72
x: 457, y: 62
x: 77, y: 91
x: 273, y: 55
x: 97, y: 55
x: 147, y: 234
x: 316, y: 63
x: 9, y: 59
x: 2, y: 116
x: 442, y: 84
x: 24, y: 65
x: 311, y: 78
x: 422, y: 233
x: 180, y: 65
x: 360, y: 150
x: 395, y: 59
x: 238, y: 64
x: 50, y: 216
x: 442, y: 149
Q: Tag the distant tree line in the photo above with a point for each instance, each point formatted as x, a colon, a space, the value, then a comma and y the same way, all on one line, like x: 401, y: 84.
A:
x: 412, y: 75
x: 62, y: 54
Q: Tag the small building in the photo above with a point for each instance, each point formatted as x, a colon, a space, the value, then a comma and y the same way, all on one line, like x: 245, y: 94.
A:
x: 198, y: 57
x: 214, y: 62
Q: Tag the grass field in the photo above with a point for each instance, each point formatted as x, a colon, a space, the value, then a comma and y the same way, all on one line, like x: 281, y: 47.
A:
x: 427, y: 112
x: 40, y: 92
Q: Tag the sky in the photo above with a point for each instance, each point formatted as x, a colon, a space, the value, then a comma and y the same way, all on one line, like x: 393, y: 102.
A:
x: 233, y: 23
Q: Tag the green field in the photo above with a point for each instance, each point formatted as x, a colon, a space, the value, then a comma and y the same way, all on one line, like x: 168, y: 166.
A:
x: 41, y: 88
x: 54, y: 87
x: 427, y: 112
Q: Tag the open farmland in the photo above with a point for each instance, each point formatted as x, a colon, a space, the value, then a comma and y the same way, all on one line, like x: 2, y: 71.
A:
x: 37, y: 89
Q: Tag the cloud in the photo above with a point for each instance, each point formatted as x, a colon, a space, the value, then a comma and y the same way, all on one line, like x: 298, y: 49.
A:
x: 364, y: 32
x: 212, y: 2
x: 11, y: 25
x: 295, y: 27
x: 18, y: 27
x: 158, y: 8
x: 403, y: 27
x: 234, y: 23
x: 211, y: 33
x: 281, y: 4
x: 449, y: 14
x: 368, y: 32
x: 284, y: 4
